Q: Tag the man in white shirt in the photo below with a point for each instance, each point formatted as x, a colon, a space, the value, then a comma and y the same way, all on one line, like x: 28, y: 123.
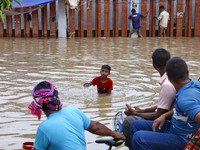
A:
x: 163, y: 18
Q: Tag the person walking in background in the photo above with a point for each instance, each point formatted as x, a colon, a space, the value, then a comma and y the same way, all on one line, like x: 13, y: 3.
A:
x: 136, y: 22
x: 163, y: 18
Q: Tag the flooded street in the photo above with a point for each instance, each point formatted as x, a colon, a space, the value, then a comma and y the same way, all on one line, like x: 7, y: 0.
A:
x: 69, y: 63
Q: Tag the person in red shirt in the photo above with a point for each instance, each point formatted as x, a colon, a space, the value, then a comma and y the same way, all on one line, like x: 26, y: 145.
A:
x: 104, y: 84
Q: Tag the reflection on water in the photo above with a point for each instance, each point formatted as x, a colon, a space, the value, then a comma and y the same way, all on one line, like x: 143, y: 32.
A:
x: 71, y: 62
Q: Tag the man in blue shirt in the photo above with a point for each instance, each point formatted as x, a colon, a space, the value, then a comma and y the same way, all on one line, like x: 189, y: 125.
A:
x: 64, y: 127
x: 185, y: 120
x: 136, y: 22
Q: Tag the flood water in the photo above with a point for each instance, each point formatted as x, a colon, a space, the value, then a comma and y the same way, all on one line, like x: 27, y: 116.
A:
x: 69, y: 63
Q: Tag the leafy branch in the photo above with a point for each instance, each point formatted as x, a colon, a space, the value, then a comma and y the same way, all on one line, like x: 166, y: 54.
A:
x: 7, y: 4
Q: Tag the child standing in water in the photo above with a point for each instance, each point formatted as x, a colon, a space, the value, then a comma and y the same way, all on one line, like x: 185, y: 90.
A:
x: 104, y: 84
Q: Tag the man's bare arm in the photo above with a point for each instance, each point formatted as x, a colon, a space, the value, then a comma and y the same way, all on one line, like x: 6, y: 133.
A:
x: 149, y: 114
x: 99, y: 129
x: 161, y: 120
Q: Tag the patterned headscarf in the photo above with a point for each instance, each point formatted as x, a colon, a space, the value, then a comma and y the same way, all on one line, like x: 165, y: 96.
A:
x: 47, y: 96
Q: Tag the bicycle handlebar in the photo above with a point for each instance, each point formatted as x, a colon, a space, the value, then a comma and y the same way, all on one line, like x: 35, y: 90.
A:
x: 111, y: 142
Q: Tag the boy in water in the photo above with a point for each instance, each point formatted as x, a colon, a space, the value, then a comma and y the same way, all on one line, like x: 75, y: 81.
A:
x: 104, y: 84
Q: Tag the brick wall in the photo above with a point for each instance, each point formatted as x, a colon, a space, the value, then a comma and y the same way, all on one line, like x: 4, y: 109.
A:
x: 95, y: 11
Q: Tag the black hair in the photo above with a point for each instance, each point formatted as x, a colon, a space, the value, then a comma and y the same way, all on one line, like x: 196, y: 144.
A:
x: 160, y: 57
x: 106, y: 67
x: 177, y: 69
x: 162, y: 7
x: 47, y: 85
x: 133, y: 10
x: 43, y: 85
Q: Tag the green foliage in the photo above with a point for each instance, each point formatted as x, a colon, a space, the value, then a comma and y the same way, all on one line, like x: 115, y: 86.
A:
x: 7, y: 4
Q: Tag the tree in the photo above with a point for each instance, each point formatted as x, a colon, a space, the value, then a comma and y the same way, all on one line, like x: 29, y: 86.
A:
x: 6, y: 4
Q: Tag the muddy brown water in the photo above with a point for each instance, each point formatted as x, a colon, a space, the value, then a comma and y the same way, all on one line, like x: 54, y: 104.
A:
x: 69, y: 63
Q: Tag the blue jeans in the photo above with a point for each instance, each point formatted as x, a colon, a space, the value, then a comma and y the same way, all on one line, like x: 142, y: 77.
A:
x: 143, y: 138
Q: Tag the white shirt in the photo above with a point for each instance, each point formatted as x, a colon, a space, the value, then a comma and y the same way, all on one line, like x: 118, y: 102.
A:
x: 164, y: 18
x: 166, y: 93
